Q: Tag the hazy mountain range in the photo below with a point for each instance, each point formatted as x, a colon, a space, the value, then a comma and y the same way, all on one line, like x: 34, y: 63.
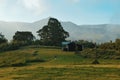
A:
x: 98, y: 33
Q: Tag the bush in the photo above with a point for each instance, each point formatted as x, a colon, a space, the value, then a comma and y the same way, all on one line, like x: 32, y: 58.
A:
x: 11, y: 46
x: 101, y: 53
x: 4, y: 47
x: 95, y: 62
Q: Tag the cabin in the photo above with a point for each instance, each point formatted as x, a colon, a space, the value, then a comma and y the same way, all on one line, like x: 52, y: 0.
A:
x: 71, y: 46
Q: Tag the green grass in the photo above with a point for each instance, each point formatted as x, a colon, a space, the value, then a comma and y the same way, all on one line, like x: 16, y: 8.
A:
x: 73, y: 73
x: 64, y: 73
x: 19, y: 58
x: 58, y: 65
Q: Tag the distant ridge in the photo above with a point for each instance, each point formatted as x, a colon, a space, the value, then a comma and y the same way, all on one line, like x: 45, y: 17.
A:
x: 96, y: 33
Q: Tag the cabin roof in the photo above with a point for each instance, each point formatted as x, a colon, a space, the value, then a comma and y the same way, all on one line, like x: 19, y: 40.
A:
x: 65, y: 43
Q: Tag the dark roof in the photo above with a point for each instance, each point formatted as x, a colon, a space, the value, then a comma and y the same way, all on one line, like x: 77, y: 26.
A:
x: 65, y: 43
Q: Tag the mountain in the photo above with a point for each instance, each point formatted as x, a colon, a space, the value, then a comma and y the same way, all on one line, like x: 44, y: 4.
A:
x: 96, y: 33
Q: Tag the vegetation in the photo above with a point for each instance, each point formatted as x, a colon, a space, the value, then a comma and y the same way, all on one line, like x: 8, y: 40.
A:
x: 23, y: 36
x: 64, y: 73
x: 47, y: 55
x: 86, y: 44
x: 66, y: 65
x: 19, y: 58
x: 11, y: 46
x: 53, y: 33
x: 111, y: 45
x: 2, y: 39
x: 19, y: 39
x: 42, y: 60
x: 104, y: 54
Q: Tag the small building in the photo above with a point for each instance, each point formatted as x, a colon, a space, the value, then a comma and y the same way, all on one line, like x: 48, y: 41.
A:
x: 71, y: 46
x: 65, y: 46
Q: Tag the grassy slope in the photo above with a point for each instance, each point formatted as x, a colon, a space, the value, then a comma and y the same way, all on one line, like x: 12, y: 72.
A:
x: 66, y: 66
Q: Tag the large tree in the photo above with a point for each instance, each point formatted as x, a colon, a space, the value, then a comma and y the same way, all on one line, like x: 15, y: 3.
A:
x: 25, y: 36
x: 2, y: 39
x: 52, y: 33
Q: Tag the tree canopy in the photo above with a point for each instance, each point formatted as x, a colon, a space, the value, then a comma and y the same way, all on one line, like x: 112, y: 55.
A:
x: 25, y: 36
x: 53, y: 33
x: 2, y: 39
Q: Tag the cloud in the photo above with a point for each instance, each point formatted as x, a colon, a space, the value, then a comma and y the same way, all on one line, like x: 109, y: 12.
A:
x: 22, y: 10
x: 2, y: 2
x: 36, y: 6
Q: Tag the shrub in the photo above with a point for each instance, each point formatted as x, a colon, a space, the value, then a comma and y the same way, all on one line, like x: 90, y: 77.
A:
x: 11, y: 46
x: 95, y: 62
x: 104, y: 54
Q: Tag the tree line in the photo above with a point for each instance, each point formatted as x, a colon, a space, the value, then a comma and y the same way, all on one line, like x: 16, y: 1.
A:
x: 51, y: 34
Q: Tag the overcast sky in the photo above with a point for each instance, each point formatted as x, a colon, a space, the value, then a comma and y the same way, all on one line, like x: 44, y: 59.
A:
x: 77, y: 11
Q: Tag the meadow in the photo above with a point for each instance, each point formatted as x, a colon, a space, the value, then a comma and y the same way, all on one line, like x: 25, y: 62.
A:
x: 54, y: 64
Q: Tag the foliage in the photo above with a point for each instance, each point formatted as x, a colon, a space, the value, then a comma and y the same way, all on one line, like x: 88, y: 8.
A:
x: 86, y: 44
x: 2, y: 39
x: 11, y: 46
x: 108, y: 45
x: 26, y: 36
x: 103, y: 54
x: 53, y: 33
x: 95, y: 62
x: 19, y: 39
x: 111, y: 45
x: 37, y: 42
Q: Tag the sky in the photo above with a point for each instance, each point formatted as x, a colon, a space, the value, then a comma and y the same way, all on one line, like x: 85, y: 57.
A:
x: 77, y: 11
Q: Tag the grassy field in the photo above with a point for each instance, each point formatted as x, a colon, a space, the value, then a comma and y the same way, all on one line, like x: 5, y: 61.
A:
x: 58, y: 65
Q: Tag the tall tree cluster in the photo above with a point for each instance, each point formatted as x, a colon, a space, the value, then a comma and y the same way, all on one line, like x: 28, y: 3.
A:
x: 53, y: 33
